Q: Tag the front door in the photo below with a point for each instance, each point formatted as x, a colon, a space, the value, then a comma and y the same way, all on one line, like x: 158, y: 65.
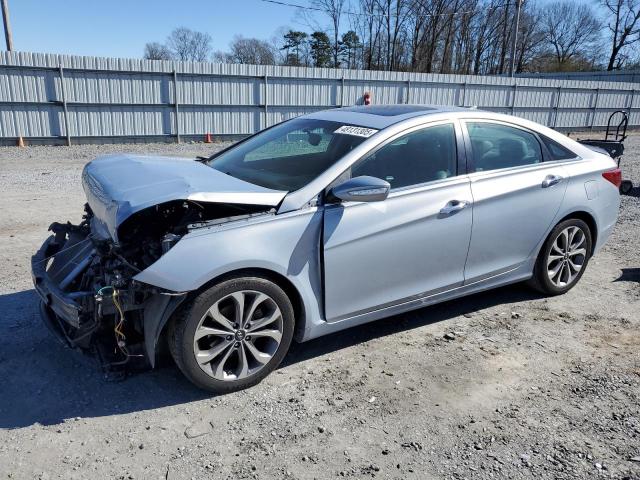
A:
x: 410, y: 245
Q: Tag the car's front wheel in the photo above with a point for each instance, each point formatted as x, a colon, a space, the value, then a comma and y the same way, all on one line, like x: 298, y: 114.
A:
x: 233, y: 334
x: 563, y: 257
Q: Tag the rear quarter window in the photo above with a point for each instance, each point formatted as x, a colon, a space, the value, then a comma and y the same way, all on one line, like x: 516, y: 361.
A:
x: 557, y: 151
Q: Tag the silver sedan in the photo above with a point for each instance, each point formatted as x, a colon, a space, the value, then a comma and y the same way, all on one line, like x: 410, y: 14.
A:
x: 314, y: 225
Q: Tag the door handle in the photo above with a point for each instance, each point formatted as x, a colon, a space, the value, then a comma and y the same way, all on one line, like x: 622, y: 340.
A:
x: 453, y: 206
x: 551, y: 180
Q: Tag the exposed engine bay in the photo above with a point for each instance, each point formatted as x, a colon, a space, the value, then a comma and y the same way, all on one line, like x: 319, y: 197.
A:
x: 86, y: 279
x: 150, y: 233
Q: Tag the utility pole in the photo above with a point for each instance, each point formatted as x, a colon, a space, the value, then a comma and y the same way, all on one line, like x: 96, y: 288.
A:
x: 7, y: 24
x: 514, y: 46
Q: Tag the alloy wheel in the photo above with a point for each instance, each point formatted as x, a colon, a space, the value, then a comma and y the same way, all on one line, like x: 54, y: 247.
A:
x: 567, y: 256
x: 238, y: 335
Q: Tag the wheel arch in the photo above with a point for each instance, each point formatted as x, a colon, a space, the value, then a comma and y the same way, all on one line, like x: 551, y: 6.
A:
x: 587, y: 218
x: 277, y: 278
x: 579, y: 214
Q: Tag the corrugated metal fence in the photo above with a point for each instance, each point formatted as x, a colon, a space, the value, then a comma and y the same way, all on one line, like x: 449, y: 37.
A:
x: 632, y: 76
x: 56, y: 98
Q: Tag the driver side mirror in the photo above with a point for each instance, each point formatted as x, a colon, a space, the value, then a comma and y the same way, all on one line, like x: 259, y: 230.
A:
x: 362, y: 189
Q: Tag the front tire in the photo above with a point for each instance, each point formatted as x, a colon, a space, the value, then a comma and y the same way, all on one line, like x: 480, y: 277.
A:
x: 563, y: 258
x: 233, y: 334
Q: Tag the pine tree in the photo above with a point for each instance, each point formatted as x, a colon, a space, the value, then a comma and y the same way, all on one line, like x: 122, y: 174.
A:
x: 349, y: 45
x: 294, y: 40
x: 321, y: 49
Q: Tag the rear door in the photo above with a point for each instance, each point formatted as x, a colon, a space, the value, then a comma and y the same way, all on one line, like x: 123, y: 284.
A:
x: 516, y: 196
x: 415, y: 242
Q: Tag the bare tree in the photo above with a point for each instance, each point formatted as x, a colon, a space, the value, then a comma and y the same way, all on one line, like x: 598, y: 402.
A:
x: 624, y: 26
x: 248, y: 51
x: 447, y: 48
x: 419, y: 35
x: 368, y: 24
x: 463, y: 45
x: 530, y: 38
x: 156, y: 51
x: 504, y: 37
x: 457, y: 36
x: 334, y: 9
x: 186, y: 44
x: 395, y: 14
x: 571, y: 29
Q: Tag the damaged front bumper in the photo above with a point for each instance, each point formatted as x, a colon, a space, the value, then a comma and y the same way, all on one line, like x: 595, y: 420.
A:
x: 56, y: 306
x: 63, y: 304
x: 55, y: 270
x: 89, y: 299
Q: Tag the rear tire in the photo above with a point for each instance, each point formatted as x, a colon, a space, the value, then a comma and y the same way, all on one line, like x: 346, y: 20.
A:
x: 233, y: 334
x: 563, y: 258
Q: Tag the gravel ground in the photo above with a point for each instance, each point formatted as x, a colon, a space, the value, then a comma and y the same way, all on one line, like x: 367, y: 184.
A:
x: 503, y: 384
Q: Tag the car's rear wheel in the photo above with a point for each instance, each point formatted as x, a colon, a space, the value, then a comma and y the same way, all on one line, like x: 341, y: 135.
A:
x: 563, y: 258
x: 233, y: 334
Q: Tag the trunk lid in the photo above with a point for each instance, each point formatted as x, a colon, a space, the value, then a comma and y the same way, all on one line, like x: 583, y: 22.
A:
x: 117, y: 186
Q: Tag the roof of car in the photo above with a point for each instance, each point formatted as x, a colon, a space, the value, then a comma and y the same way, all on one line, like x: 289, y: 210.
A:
x: 380, y: 116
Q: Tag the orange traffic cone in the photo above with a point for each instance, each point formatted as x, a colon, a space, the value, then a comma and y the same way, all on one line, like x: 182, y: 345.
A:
x: 207, y: 138
x: 20, y: 141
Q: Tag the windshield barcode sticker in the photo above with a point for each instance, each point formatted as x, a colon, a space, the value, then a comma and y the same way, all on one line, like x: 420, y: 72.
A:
x: 357, y: 131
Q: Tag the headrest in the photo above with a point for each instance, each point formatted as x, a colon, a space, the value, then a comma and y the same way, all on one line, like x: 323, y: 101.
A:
x: 512, y: 149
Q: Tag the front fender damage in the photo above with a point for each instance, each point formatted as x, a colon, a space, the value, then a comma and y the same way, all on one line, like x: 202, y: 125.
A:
x: 91, y: 299
x: 156, y: 315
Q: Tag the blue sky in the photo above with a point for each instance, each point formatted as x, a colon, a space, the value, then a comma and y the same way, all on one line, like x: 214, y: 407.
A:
x: 118, y: 28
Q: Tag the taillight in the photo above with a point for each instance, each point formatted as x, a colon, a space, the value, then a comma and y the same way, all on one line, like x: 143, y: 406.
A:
x: 614, y: 176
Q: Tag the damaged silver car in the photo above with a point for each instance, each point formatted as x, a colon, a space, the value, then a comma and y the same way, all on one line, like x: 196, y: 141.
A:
x: 317, y: 224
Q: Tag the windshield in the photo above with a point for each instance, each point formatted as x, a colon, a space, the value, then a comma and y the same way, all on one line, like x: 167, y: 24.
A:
x: 291, y: 154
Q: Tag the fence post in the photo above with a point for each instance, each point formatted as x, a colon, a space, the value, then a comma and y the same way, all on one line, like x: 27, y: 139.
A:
x: 266, y: 100
x: 464, y: 94
x: 556, y: 107
x: 633, y: 92
x: 406, y: 100
x: 595, y: 107
x: 513, y: 100
x: 64, y: 105
x: 175, y: 105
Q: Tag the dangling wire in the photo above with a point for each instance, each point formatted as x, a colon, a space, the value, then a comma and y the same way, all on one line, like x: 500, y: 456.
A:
x: 121, y: 338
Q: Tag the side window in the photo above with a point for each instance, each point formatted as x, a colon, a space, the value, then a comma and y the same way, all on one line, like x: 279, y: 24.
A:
x: 557, y: 151
x: 418, y: 157
x: 497, y: 146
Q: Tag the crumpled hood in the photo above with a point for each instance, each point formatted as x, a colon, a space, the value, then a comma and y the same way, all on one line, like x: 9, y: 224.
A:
x: 117, y: 186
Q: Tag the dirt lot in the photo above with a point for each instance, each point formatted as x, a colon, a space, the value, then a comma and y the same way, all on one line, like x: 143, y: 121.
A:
x: 521, y: 387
